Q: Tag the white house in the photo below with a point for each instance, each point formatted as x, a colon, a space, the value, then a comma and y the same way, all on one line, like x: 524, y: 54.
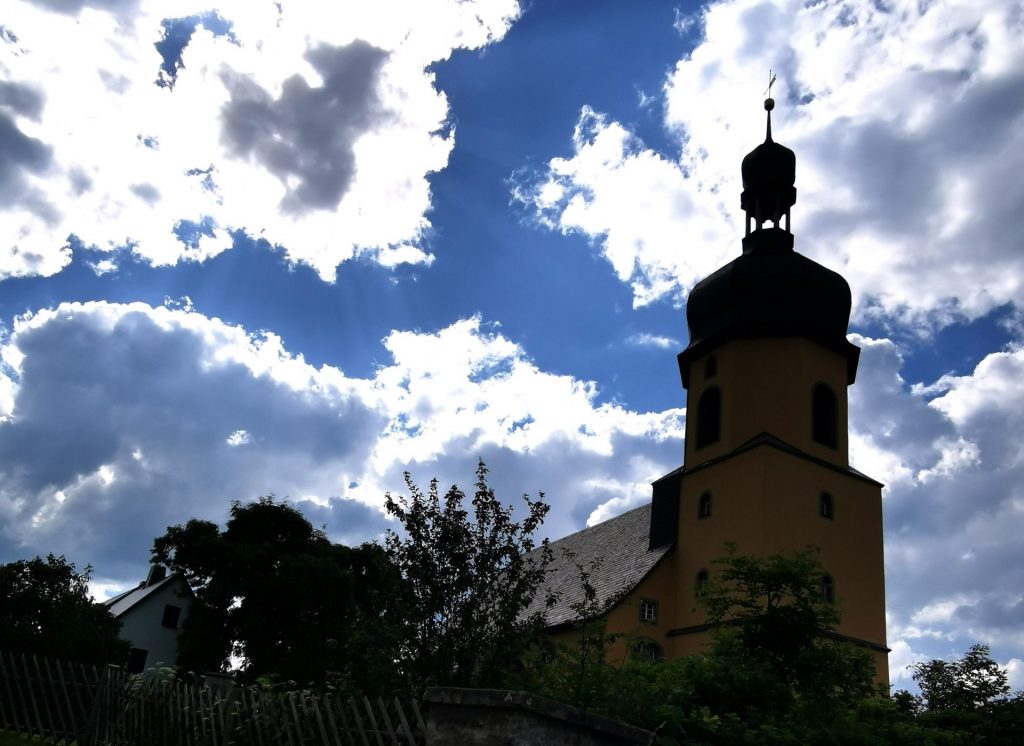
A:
x: 151, y: 617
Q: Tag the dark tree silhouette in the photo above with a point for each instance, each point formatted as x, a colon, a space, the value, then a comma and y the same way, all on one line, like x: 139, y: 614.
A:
x: 45, y: 609
x: 468, y: 581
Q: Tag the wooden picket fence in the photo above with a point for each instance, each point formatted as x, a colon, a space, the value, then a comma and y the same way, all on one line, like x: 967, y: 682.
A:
x: 44, y: 697
x: 64, y: 703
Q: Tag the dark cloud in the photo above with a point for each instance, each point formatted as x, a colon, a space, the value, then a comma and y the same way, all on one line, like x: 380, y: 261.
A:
x: 146, y: 192
x: 308, y: 133
x: 348, y: 521
x: 129, y: 415
x: 20, y: 153
x: 21, y: 99
x: 72, y: 7
x: 993, y: 613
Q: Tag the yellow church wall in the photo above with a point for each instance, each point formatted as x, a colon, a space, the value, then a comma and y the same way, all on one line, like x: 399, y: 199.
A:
x: 766, y: 385
x: 766, y: 501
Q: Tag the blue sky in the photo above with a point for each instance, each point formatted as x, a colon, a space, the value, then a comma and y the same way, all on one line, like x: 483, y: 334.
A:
x: 272, y: 247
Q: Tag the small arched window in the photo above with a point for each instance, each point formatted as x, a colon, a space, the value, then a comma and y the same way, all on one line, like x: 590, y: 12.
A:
x: 709, y: 417
x: 710, y: 367
x: 828, y: 589
x: 826, y: 508
x: 704, y: 506
x: 824, y: 416
x: 700, y: 583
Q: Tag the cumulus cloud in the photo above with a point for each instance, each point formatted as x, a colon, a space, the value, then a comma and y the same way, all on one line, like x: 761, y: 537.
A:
x: 906, y: 121
x: 312, y: 126
x: 954, y: 508
x: 123, y: 419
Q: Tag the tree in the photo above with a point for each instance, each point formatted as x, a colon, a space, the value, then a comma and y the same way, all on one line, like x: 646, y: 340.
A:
x: 467, y: 582
x: 970, y: 684
x: 45, y: 609
x: 771, y: 614
x: 276, y: 593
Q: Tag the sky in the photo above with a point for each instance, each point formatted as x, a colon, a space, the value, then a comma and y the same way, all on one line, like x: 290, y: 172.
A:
x: 296, y: 248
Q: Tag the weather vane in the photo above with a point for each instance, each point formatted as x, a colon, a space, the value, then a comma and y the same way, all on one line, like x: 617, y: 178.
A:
x: 769, y: 101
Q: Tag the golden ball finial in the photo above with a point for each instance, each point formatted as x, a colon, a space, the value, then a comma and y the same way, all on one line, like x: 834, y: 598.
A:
x: 769, y: 104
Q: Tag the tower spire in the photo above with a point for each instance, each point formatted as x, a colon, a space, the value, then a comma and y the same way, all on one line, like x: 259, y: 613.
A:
x: 769, y: 104
x: 769, y: 175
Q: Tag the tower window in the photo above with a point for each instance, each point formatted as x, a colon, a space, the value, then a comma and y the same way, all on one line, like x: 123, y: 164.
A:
x: 700, y: 584
x: 648, y: 611
x: 828, y: 589
x: 826, y: 509
x: 709, y: 417
x: 710, y: 367
x: 704, y: 506
x: 825, y: 416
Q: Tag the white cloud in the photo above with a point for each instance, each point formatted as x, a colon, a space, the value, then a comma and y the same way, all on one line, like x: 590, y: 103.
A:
x: 311, y: 125
x: 128, y: 418
x: 901, y: 658
x: 1015, y: 674
x: 905, y: 119
x: 954, y: 508
x: 653, y: 340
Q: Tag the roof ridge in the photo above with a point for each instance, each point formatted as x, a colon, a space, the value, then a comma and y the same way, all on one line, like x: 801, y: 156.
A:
x: 585, y: 529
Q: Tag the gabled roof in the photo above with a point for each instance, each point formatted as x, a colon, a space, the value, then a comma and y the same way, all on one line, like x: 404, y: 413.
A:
x: 119, y: 604
x: 619, y: 545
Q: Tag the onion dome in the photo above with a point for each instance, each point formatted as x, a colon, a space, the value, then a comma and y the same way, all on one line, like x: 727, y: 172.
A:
x: 770, y: 290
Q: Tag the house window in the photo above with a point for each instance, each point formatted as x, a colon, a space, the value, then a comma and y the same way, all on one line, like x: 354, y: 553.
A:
x: 826, y: 509
x: 825, y: 416
x: 828, y: 589
x: 710, y: 367
x: 646, y: 649
x: 709, y: 417
x: 171, y: 616
x: 704, y: 506
x: 137, y: 660
x: 700, y: 584
x: 648, y: 611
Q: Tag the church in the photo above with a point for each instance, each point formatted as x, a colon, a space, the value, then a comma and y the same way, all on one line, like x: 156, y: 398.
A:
x: 766, y: 457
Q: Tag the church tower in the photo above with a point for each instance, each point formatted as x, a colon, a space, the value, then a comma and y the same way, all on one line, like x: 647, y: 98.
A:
x: 766, y: 461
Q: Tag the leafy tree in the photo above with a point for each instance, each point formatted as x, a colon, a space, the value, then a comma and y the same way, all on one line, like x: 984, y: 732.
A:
x: 468, y: 582
x: 45, y: 609
x: 969, y: 699
x: 771, y: 613
x: 970, y: 684
x: 275, y: 592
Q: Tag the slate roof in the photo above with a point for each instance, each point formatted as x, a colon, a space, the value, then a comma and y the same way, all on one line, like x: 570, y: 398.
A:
x: 621, y: 547
x: 118, y: 605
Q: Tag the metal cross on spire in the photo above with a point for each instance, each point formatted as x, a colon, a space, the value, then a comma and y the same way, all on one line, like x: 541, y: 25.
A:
x: 771, y: 82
